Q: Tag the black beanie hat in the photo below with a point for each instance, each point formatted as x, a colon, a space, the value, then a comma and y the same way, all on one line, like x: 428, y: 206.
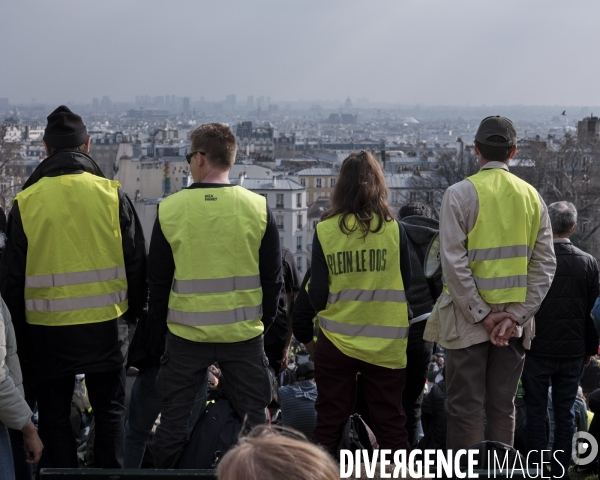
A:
x: 65, y: 129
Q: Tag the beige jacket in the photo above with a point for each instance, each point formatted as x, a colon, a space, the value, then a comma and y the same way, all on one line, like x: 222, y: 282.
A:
x: 455, y: 320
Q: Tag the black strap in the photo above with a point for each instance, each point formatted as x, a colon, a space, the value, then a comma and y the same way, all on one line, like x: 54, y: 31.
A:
x: 421, y: 256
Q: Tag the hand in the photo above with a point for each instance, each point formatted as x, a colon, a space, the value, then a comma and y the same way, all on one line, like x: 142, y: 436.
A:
x: 493, y: 318
x: 310, y: 346
x: 586, y: 361
x: 32, y: 444
x: 284, y: 360
x: 503, y: 332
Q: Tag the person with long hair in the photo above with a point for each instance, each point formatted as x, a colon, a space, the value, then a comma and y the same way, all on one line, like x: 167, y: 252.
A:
x: 360, y: 271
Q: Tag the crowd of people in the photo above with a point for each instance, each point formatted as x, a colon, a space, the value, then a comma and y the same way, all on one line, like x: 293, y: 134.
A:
x: 218, y: 311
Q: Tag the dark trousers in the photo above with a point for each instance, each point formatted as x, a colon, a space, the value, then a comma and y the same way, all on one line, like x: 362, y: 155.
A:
x: 565, y: 374
x: 418, y: 356
x: 183, y: 370
x: 335, y: 374
x: 106, y: 392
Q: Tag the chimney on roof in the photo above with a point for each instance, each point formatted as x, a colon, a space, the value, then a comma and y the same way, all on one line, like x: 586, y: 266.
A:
x: 274, y: 180
x: 241, y: 180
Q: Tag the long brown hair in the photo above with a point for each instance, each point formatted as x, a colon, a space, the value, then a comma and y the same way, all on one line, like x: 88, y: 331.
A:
x: 360, y: 192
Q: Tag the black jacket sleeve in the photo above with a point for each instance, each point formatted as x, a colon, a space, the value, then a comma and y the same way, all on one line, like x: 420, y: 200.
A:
x: 591, y: 335
x: 405, y: 268
x: 134, y: 253
x: 318, y: 290
x: 161, y: 270
x: 303, y: 314
x: 12, y: 278
x: 269, y: 265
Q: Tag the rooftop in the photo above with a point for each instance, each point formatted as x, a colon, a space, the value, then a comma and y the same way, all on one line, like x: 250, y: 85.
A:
x: 268, y: 184
x: 318, y: 171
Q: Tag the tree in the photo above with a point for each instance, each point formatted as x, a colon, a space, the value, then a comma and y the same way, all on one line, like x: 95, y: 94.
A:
x: 429, y: 186
x: 568, y: 171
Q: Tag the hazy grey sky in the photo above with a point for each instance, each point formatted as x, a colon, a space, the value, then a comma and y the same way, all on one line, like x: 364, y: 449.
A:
x: 454, y: 52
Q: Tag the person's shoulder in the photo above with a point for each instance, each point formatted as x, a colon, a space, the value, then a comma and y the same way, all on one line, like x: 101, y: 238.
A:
x: 580, y: 253
x: 286, y: 391
x: 460, y: 188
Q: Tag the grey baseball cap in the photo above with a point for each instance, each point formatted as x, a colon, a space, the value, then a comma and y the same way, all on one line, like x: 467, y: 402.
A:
x: 496, y: 126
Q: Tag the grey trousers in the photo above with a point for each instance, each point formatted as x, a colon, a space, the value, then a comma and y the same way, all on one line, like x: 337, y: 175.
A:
x: 183, y: 370
x: 481, y: 383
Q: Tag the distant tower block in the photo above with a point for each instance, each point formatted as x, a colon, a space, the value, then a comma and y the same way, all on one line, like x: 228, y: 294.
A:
x: 348, y: 103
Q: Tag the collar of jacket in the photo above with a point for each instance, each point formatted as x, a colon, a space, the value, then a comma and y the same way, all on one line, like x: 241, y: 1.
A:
x: 63, y: 163
x: 494, y: 164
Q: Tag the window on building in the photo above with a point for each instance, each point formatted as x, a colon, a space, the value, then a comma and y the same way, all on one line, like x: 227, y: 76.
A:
x: 413, y: 196
x: 279, y: 219
x: 137, y: 179
x: 319, y: 182
x: 303, y: 182
x: 299, y: 263
x: 281, y: 241
x: 331, y: 182
x: 299, y: 243
x: 299, y: 221
x: 279, y: 200
x: 299, y: 200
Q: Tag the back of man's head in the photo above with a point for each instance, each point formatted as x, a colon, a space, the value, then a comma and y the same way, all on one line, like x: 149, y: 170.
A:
x: 495, y: 138
x: 65, y: 132
x: 414, y: 208
x: 217, y: 142
x: 563, y: 217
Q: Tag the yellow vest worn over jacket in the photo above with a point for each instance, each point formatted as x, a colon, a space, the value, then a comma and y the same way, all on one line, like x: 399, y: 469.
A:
x: 75, y: 272
x: 502, y: 240
x: 215, y: 235
x: 366, y: 316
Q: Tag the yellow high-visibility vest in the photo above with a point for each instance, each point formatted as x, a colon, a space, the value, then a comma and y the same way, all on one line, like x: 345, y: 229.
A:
x: 75, y: 272
x: 502, y: 240
x: 215, y: 235
x: 366, y: 316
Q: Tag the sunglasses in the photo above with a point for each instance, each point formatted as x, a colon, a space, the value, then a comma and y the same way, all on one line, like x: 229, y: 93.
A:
x: 189, y: 156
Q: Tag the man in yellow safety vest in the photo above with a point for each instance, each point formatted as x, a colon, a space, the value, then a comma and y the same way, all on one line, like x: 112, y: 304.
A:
x: 498, y: 263
x: 214, y: 276
x: 75, y: 260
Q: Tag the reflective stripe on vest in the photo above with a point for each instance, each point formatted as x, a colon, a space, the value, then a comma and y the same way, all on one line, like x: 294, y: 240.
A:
x: 81, y: 303
x: 373, y: 331
x: 207, y: 319
x: 215, y: 236
x: 500, y: 245
x: 498, y: 253
x: 366, y: 316
x: 75, y: 270
x: 367, y: 296
x: 77, y: 278
x: 216, y: 285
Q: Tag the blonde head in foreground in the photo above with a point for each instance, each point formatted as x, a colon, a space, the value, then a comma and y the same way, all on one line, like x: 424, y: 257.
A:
x: 268, y: 454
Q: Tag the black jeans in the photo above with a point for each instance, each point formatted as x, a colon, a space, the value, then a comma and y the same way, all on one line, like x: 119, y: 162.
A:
x: 565, y: 374
x: 245, y: 380
x: 106, y: 392
x: 418, y: 356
